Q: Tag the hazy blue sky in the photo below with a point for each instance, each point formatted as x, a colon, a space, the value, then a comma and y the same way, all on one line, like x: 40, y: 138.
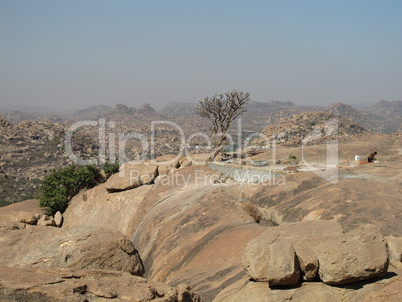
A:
x: 78, y: 53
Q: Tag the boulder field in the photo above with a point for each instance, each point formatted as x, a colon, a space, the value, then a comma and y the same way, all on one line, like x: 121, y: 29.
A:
x: 189, y: 234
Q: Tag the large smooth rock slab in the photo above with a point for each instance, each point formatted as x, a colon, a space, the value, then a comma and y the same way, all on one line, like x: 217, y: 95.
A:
x: 24, y: 212
x: 189, y: 230
x: 73, y: 248
x: 28, y: 218
x: 98, y: 208
x: 186, y: 228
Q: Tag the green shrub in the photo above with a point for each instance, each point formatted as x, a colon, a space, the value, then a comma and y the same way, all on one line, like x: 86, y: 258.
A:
x: 60, y: 186
x: 110, y: 169
x: 292, y: 157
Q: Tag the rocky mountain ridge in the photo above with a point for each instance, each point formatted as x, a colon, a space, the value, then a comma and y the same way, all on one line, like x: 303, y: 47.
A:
x: 382, y: 117
x: 387, y: 115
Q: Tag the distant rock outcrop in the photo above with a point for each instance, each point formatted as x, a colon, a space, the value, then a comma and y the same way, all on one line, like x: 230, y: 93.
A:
x: 89, y: 113
x: 146, y: 109
x: 346, y: 111
x: 386, y: 116
x: 311, y: 128
x: 176, y: 109
x: 4, y: 123
x: 16, y: 117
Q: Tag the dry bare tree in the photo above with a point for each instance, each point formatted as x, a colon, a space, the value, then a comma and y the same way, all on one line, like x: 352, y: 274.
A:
x: 222, y: 109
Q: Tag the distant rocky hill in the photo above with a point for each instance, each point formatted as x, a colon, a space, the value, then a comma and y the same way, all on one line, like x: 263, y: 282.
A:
x: 28, y: 151
x: 89, y: 112
x: 257, y: 116
x: 382, y: 117
x: 347, y: 111
x: 387, y: 116
x: 16, y: 117
x: 175, y: 109
x: 142, y: 114
x: 312, y: 127
x: 146, y: 109
x: 133, y: 128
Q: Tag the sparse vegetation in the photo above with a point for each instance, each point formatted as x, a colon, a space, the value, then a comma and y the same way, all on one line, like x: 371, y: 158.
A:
x: 110, y: 169
x: 253, y: 211
x: 292, y: 157
x: 58, y: 187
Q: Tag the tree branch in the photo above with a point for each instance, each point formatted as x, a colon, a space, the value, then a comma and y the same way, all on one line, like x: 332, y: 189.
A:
x: 222, y: 110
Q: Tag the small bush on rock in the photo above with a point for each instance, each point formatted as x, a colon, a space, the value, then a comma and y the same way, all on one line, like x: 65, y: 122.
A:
x: 110, y: 169
x: 60, y: 186
x: 253, y: 211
